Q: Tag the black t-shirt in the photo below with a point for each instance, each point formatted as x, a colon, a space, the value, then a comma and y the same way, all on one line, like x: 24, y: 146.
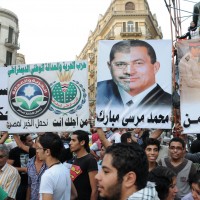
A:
x: 79, y: 174
x: 21, y: 158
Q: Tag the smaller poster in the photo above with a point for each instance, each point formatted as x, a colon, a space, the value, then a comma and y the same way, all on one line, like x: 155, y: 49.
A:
x: 3, y: 98
x: 189, y: 70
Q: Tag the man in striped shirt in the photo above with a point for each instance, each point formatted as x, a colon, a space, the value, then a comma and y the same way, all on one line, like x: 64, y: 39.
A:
x: 9, y: 176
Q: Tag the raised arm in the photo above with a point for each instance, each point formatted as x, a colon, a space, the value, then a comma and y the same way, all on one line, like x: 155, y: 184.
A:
x: 102, y: 138
x: 3, y: 137
x: 20, y: 144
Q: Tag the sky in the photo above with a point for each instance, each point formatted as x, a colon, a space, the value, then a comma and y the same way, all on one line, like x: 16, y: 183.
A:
x: 57, y: 30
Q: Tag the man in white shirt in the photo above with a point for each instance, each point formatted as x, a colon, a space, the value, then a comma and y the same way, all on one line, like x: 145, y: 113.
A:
x: 55, y: 182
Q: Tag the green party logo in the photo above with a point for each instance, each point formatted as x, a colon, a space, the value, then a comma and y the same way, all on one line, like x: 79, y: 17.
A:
x: 68, y: 95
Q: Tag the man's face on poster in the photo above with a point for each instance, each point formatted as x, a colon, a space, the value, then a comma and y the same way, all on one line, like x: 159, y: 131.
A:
x: 133, y: 71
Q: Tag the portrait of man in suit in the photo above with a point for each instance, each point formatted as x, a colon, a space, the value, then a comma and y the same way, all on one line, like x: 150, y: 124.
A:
x: 133, y: 66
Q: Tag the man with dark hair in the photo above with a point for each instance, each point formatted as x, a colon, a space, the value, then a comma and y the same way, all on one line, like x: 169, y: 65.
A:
x: 9, y: 176
x: 165, y: 180
x: 194, y: 154
x: 84, y: 168
x: 133, y: 66
x: 35, y: 169
x: 195, y: 188
x: 127, y: 138
x: 184, y: 168
x: 19, y: 159
x: 151, y: 147
x: 55, y: 182
x: 124, y: 174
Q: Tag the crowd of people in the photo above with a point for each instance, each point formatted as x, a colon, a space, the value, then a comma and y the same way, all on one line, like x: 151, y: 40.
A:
x: 116, y: 164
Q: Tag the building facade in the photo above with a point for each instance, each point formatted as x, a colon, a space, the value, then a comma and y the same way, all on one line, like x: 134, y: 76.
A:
x: 9, y: 33
x: 123, y: 20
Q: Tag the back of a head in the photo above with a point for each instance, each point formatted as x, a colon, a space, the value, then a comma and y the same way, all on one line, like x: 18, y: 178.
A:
x: 23, y: 137
x: 53, y: 142
x: 125, y: 136
x: 195, y: 179
x: 195, y: 146
x: 83, y: 135
x: 127, y: 158
x: 163, y: 178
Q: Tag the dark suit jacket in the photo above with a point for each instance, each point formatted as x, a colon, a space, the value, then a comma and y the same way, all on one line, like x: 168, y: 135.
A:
x: 108, y: 94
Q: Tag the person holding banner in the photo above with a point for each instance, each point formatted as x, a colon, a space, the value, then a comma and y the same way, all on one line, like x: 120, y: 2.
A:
x: 133, y: 66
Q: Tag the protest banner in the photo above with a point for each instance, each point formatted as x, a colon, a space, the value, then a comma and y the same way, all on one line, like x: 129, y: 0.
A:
x: 48, y: 97
x: 134, y: 82
x: 3, y: 98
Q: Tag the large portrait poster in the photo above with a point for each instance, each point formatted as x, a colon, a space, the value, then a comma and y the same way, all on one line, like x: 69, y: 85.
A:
x: 3, y: 98
x: 134, y: 82
x: 189, y: 70
x: 48, y: 97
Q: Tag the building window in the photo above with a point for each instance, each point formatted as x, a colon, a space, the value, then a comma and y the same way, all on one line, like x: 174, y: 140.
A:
x: 129, y: 26
x: 10, y: 35
x: 130, y: 6
x: 8, y: 58
x: 136, y: 27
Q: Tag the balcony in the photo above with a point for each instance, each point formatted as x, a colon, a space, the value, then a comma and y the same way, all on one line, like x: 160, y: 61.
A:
x: 110, y: 36
x: 131, y: 31
x: 11, y: 44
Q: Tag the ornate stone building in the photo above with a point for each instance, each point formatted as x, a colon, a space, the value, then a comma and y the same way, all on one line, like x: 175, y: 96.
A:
x: 123, y: 20
x: 9, y: 33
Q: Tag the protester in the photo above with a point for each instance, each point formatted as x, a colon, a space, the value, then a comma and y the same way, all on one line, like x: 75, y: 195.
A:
x: 9, y: 176
x: 55, y: 182
x: 84, y: 168
x: 102, y: 153
x: 65, y: 137
x: 165, y: 180
x: 142, y: 134
x: 193, y: 32
x: 35, y: 169
x: 152, y: 147
x: 184, y: 168
x: 195, y: 188
x: 127, y: 138
x: 19, y: 159
x: 124, y: 174
x: 194, y: 154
